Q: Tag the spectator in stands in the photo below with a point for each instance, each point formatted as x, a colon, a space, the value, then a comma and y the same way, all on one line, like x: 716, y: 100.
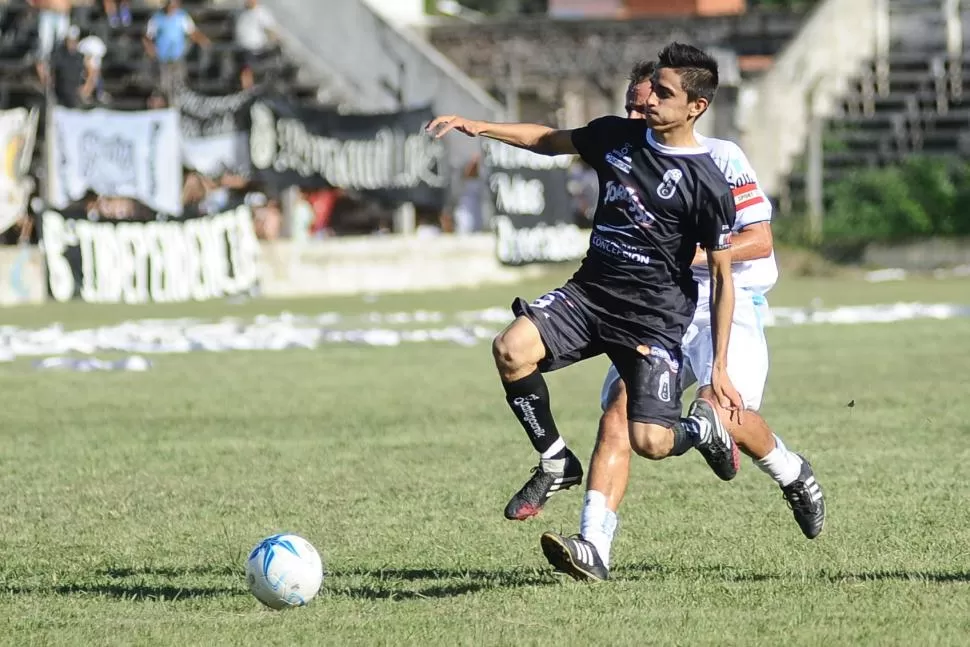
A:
x: 118, y: 12
x: 118, y: 208
x: 156, y: 101
x: 323, y: 202
x: 267, y: 216
x: 93, y: 50
x: 427, y: 223
x: 52, y: 24
x: 165, y: 42
x: 468, y: 215
x: 67, y: 66
x: 194, y: 190
x: 97, y: 207
x: 256, y: 36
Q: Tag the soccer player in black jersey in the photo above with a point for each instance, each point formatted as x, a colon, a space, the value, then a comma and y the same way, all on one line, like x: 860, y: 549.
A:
x: 660, y: 195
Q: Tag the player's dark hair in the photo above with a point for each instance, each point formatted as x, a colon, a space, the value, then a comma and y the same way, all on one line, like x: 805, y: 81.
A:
x: 697, y: 69
x: 642, y: 71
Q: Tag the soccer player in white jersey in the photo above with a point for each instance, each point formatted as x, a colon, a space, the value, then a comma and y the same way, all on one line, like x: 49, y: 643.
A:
x: 587, y: 556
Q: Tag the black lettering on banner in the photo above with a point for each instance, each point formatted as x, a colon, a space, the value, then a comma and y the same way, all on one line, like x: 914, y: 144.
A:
x: 206, y: 116
x: 140, y: 262
x: 532, y: 211
x: 215, y: 137
x: 386, y: 156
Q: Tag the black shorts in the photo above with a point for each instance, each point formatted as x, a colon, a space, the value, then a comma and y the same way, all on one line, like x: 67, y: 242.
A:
x: 572, y: 332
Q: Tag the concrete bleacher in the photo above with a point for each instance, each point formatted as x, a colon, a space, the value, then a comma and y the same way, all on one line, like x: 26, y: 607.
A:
x: 912, y: 99
x: 126, y: 69
x: 547, y: 48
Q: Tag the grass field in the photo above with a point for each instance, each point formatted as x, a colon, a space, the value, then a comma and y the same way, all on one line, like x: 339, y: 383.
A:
x: 128, y: 501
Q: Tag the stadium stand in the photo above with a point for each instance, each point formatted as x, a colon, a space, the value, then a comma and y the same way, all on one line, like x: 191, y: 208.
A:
x: 129, y: 78
x: 549, y: 49
x: 126, y: 69
x: 910, y: 99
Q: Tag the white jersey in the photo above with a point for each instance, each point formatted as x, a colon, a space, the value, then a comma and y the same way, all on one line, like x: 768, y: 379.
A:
x: 752, y: 206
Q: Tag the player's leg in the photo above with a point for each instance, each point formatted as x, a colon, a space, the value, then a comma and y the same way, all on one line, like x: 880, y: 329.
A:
x: 587, y: 556
x: 547, y: 334
x: 653, y: 410
x: 748, y: 368
x: 606, y: 483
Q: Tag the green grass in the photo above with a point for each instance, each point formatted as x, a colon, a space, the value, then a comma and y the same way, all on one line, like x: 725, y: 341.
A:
x: 128, y: 501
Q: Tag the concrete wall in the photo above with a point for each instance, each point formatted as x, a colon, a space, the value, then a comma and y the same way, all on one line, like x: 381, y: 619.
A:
x: 920, y: 256
x: 349, y: 40
x: 809, y: 76
x: 377, y: 264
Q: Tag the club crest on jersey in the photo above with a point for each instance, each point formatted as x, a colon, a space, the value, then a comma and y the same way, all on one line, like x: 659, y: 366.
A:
x: 627, y: 199
x: 663, y: 388
x: 619, y: 158
x: 668, y: 186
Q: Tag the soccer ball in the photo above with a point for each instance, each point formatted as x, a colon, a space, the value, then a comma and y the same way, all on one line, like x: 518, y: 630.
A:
x: 284, y: 571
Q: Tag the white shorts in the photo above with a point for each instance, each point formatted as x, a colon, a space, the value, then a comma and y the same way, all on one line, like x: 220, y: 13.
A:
x: 747, y: 351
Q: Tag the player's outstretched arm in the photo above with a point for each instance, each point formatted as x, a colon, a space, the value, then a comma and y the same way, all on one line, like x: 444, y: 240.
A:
x: 533, y: 137
x: 722, y: 314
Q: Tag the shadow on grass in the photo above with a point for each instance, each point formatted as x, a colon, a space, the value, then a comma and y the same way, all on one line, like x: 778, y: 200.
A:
x: 128, y: 591
x: 172, y: 571
x: 650, y: 571
x: 429, y: 583
x: 900, y: 576
x: 134, y: 583
x: 643, y: 571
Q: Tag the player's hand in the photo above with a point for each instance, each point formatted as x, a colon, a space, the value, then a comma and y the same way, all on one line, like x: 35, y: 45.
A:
x: 727, y: 396
x: 440, y: 126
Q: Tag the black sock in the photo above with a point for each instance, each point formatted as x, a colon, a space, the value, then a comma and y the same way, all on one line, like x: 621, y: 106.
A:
x: 683, y: 439
x: 529, y: 399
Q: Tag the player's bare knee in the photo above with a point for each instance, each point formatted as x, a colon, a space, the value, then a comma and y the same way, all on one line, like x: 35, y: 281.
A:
x: 502, y: 352
x: 517, y: 350
x: 651, y: 441
x: 508, y: 360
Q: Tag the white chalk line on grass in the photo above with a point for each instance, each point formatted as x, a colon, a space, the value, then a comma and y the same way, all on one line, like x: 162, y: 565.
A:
x: 307, y: 332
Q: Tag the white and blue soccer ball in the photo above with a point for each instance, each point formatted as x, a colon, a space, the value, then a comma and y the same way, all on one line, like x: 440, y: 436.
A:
x: 284, y: 571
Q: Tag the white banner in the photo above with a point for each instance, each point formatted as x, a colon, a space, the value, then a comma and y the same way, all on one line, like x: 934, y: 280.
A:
x: 142, y: 262
x: 212, y: 141
x: 116, y: 154
x: 18, y: 131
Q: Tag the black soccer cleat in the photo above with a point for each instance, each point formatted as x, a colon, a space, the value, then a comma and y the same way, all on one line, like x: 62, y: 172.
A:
x: 715, y: 443
x: 574, y: 556
x: 528, y: 501
x: 807, y: 503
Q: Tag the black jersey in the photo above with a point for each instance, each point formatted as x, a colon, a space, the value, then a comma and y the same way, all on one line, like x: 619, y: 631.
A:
x: 656, y: 204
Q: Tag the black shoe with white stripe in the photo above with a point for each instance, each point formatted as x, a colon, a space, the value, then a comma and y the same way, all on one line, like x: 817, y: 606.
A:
x: 574, y: 556
x: 544, y: 482
x: 807, y: 503
x: 715, y: 443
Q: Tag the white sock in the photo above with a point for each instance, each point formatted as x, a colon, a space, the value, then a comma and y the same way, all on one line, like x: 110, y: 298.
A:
x: 598, y: 524
x: 781, y: 464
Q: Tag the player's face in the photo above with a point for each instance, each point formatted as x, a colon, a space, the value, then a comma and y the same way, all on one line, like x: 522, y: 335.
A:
x: 636, y: 99
x: 667, y: 105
